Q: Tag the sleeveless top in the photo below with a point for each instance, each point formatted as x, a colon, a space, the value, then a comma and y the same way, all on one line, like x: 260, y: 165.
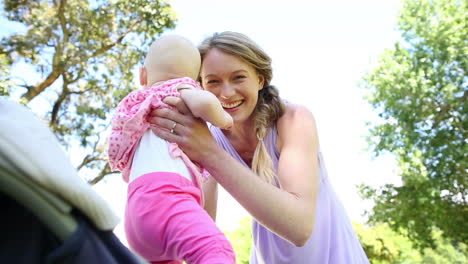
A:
x: 333, y: 239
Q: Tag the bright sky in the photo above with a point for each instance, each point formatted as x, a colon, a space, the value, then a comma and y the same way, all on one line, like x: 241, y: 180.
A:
x: 320, y: 51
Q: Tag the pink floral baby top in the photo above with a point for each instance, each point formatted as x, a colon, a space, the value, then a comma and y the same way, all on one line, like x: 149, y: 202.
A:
x: 129, y: 124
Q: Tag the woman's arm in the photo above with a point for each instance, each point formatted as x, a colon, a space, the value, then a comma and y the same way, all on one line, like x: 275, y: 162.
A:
x: 290, y: 211
x: 298, y: 163
x: 210, y: 192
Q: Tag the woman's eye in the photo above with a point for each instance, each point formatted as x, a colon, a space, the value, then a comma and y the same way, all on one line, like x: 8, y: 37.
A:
x: 212, y: 81
x: 238, y: 77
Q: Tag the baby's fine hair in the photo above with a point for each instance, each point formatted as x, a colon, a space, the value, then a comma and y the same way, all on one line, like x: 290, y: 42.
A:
x: 269, y: 106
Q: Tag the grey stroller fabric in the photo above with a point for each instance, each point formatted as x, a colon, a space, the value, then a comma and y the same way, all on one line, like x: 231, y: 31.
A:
x: 26, y: 240
x: 29, y: 148
x: 49, y: 214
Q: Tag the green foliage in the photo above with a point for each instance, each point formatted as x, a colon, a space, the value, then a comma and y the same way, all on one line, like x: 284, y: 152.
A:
x: 84, y: 52
x: 241, y: 240
x: 5, y: 83
x: 419, y: 89
x: 382, y: 246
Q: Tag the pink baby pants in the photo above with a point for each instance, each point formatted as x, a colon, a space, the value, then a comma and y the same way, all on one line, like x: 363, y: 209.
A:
x: 165, y: 222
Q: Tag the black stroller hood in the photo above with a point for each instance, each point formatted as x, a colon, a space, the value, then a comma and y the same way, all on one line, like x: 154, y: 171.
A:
x: 50, y: 215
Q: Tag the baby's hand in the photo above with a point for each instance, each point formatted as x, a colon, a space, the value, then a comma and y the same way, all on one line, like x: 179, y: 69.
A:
x: 228, y: 121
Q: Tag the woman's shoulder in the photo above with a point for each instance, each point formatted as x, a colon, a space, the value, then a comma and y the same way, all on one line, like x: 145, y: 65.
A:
x: 296, y: 121
x: 295, y: 113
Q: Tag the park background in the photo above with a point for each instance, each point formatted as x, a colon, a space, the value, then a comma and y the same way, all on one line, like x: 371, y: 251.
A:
x: 321, y: 51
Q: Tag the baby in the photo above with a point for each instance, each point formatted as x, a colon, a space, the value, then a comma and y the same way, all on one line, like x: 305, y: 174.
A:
x: 164, y: 218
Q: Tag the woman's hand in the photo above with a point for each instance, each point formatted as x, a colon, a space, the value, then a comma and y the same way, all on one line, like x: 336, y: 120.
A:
x: 181, y: 127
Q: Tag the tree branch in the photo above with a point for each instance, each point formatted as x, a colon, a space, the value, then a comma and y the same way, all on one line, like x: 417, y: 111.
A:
x: 57, y: 70
x: 78, y: 75
x: 63, y: 22
x: 88, y: 158
x: 110, y: 46
x: 57, y: 66
x: 105, y: 171
x: 35, y: 90
x: 58, y: 102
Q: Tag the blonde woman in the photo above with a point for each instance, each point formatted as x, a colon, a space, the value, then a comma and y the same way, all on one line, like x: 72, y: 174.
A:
x: 269, y: 161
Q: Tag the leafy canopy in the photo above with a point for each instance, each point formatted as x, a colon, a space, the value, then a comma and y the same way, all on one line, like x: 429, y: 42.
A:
x: 241, y: 240
x: 382, y: 246
x: 419, y: 89
x: 84, y: 53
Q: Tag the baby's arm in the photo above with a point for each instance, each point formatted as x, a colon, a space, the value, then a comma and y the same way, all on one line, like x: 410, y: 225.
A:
x: 206, y: 106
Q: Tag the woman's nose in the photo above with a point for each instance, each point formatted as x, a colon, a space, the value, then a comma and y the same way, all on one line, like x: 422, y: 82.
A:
x: 227, y: 91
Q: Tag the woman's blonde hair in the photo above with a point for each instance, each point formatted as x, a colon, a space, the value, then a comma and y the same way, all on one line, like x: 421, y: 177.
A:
x: 269, y: 106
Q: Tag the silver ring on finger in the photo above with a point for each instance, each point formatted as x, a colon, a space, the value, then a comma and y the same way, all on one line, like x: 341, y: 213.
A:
x: 173, y: 127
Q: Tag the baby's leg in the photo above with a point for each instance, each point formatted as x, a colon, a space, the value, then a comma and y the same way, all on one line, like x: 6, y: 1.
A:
x: 195, y: 233
x: 164, y: 222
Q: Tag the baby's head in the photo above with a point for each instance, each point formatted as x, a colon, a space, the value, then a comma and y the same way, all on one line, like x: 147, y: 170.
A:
x: 170, y: 57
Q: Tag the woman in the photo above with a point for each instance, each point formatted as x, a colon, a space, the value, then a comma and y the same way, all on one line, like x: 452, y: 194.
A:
x: 269, y: 161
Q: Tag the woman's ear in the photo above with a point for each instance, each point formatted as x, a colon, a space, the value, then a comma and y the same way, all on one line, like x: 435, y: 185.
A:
x: 143, y: 76
x: 261, y: 81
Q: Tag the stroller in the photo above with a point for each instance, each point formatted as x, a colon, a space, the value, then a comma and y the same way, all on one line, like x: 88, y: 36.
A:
x: 50, y: 215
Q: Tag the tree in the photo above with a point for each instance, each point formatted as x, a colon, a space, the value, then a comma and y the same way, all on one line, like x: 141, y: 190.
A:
x: 5, y: 83
x: 382, y: 246
x: 241, y: 240
x: 419, y: 89
x: 84, y: 52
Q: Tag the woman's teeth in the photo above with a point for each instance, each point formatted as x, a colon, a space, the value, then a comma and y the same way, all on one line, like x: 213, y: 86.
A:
x: 231, y: 105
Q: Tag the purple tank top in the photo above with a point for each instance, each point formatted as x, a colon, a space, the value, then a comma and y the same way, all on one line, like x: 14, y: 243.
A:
x: 333, y: 239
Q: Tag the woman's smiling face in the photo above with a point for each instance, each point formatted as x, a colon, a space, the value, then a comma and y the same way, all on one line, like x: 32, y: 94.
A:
x: 233, y: 81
